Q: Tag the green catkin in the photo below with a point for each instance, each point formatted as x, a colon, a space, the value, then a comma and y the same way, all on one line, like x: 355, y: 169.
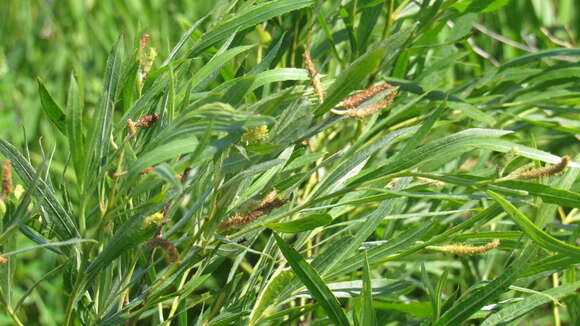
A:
x: 255, y: 134
x: 466, y: 249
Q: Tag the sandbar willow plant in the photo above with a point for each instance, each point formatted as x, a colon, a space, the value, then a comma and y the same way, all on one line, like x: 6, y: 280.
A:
x: 301, y: 162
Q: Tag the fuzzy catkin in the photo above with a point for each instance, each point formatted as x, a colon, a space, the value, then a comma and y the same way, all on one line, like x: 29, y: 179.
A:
x: 238, y: 220
x: 147, y: 120
x: 545, y: 171
x: 469, y: 250
x: 7, y: 188
x: 270, y: 197
x: 356, y: 99
x: 314, y: 78
x: 370, y: 109
x: 168, y: 246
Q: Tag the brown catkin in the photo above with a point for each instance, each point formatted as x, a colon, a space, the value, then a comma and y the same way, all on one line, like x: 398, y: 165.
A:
x: 169, y: 248
x: 356, y: 99
x: 149, y: 63
x: 314, y: 78
x: 545, y: 171
x: 144, y: 60
x: 232, y: 222
x: 370, y: 109
x: 146, y: 170
x: 238, y: 221
x: 143, y: 43
x: 147, y: 120
x: 7, y: 188
x: 3, y: 260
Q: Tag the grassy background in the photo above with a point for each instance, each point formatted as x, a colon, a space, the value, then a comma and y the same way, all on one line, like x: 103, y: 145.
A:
x: 486, y: 87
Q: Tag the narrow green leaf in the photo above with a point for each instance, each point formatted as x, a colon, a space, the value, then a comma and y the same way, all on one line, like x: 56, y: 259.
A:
x: 346, y: 12
x: 22, y: 213
x: 268, y: 60
x: 506, y: 146
x: 371, y: 11
x: 313, y: 282
x: 435, y: 301
x: 368, y: 316
x: 539, y: 55
x: 50, y: 107
x: 353, y: 289
x: 416, y: 309
x: 49, y: 244
x: 257, y: 14
x: 302, y: 224
x: 63, y: 224
x: 480, y: 5
x: 284, y: 283
x: 406, y: 241
x: 472, y: 112
x: 261, y: 182
x: 433, y: 72
x: 134, y: 231
x: 101, y: 126
x: 158, y: 86
x: 279, y: 75
x: 162, y: 153
x: 30, y: 289
x: 556, y: 262
x: 184, y: 38
x: 351, y: 163
x: 530, y: 303
x: 472, y: 301
x: 236, y: 94
x: 416, y: 139
x: 74, y: 129
x: 216, y: 63
x: 269, y: 293
x: 463, y: 26
x: 536, y: 234
x: 548, y: 194
x: 460, y: 142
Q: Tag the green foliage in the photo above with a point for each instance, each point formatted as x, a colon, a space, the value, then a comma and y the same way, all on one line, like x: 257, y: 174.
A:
x: 192, y: 176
